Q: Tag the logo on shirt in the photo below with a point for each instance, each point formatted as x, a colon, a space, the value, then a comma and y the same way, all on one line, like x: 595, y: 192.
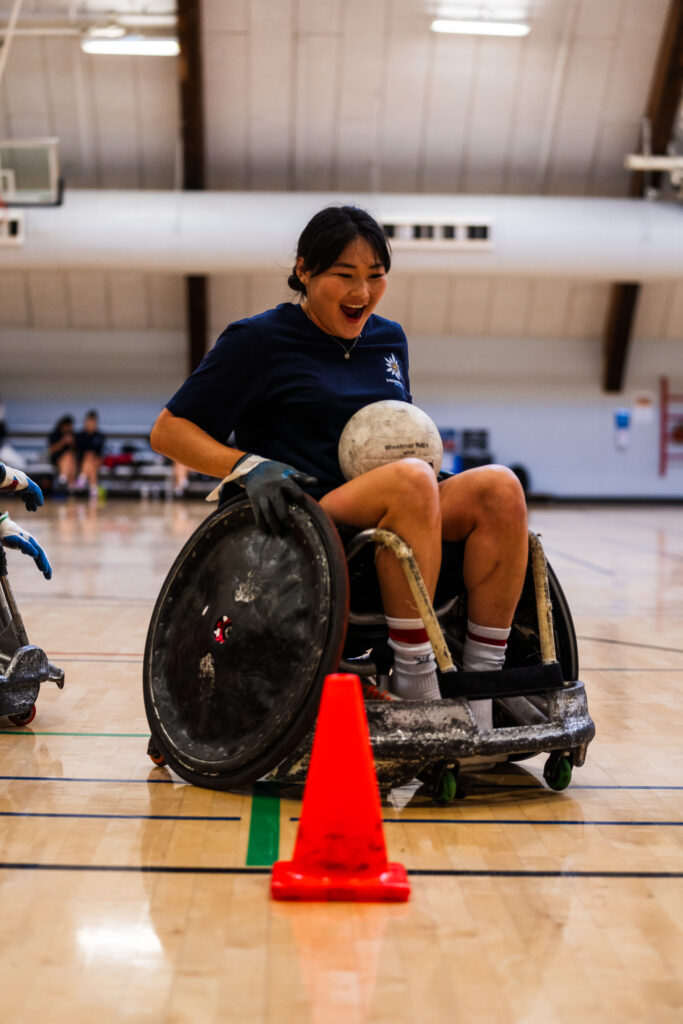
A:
x: 393, y: 370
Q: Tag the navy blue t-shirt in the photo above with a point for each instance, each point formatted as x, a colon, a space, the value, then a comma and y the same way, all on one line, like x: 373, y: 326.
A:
x: 283, y: 385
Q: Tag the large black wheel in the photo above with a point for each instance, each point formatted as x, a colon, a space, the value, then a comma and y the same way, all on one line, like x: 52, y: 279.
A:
x: 244, y: 631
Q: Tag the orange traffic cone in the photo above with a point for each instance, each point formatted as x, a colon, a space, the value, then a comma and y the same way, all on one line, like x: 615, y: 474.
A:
x: 340, y: 852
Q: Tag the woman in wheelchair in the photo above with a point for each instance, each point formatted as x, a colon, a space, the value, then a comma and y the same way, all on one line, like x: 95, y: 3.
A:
x: 288, y: 380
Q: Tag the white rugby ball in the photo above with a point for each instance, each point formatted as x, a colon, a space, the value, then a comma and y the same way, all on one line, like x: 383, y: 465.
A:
x: 385, y: 432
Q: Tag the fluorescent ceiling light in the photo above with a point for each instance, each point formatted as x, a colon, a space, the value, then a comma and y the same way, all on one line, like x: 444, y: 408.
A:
x: 137, y: 46
x: 480, y: 28
x: 106, y: 32
x: 147, y: 20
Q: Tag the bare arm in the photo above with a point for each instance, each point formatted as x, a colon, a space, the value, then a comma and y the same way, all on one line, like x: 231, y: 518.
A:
x: 184, y: 441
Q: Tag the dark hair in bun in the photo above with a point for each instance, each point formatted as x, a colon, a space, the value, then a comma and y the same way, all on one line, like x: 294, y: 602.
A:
x: 329, y: 232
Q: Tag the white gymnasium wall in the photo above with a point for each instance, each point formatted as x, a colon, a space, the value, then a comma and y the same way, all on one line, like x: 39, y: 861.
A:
x: 540, y: 399
x: 542, y: 404
x: 126, y: 375
x: 519, y: 358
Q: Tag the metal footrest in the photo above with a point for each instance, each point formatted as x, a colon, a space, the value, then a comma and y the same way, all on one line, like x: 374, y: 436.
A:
x: 21, y: 679
x: 406, y: 736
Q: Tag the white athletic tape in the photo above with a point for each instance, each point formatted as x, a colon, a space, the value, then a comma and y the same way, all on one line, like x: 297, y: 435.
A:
x: 14, y: 476
x: 8, y: 528
x: 245, y: 466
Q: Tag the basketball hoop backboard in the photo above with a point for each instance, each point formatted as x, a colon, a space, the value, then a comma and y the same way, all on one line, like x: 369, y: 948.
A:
x: 29, y: 172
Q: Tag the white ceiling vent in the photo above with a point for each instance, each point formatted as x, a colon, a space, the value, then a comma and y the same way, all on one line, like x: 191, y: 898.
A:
x: 11, y: 227
x: 470, y: 237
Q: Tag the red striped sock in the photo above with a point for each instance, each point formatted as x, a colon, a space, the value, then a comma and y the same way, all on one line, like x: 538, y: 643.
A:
x: 485, y: 648
x: 414, y: 676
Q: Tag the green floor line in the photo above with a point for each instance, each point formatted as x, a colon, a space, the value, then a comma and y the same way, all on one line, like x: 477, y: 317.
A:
x: 264, y: 829
x: 38, y: 732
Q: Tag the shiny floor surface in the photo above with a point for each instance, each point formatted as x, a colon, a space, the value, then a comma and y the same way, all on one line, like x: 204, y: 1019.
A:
x: 127, y: 895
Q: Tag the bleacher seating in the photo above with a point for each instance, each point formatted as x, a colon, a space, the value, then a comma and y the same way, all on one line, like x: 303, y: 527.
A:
x: 129, y: 467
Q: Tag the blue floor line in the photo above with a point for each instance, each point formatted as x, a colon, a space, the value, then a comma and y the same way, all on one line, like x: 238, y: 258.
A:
x: 555, y: 553
x: 643, y: 671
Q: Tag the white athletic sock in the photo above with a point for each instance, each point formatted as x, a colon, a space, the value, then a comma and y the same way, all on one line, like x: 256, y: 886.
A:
x: 485, y: 648
x: 414, y: 676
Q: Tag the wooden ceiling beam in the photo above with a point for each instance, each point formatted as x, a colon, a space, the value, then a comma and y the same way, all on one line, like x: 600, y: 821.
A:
x: 190, y: 67
x: 191, y: 73
x: 662, y: 110
x: 665, y: 91
x: 618, y: 330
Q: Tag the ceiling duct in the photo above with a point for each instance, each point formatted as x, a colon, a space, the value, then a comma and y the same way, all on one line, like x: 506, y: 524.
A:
x: 218, y: 232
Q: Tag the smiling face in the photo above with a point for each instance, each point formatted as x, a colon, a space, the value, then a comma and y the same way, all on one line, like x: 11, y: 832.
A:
x: 340, y: 299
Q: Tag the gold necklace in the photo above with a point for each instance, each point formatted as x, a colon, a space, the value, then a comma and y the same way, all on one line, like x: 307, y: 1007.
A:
x: 349, y: 350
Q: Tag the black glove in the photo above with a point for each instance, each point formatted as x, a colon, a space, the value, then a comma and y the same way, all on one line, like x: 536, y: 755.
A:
x: 269, y: 486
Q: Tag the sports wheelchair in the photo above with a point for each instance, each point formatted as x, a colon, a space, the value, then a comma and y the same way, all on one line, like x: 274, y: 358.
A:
x: 247, y: 625
x: 23, y: 667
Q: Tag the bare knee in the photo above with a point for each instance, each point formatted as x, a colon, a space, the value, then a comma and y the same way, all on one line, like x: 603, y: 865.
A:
x: 501, y: 496
x: 412, y: 486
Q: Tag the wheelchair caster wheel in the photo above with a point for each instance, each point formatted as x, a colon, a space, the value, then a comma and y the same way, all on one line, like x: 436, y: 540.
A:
x: 558, y: 771
x: 446, y: 788
x: 24, y: 719
x: 155, y: 754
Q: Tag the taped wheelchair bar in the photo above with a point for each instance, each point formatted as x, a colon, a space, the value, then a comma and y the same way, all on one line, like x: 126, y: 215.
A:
x: 23, y: 666
x: 404, y: 554
x: 545, y: 612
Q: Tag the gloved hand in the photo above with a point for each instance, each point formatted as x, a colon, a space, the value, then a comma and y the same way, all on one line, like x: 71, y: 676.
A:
x: 15, y: 480
x: 12, y: 536
x: 269, y: 485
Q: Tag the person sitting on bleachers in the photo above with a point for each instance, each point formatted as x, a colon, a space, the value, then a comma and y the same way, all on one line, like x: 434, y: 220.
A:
x: 89, y: 447
x: 62, y: 451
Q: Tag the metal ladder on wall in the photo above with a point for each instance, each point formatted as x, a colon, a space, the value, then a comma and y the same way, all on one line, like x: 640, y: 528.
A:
x: 670, y: 426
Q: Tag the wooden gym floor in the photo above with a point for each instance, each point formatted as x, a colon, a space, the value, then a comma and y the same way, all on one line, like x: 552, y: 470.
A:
x: 128, y: 895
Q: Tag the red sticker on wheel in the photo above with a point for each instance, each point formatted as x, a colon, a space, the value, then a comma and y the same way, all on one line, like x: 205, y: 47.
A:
x: 221, y: 630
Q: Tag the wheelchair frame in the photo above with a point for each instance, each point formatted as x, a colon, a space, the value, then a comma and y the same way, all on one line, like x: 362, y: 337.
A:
x: 540, y: 710
x: 23, y: 666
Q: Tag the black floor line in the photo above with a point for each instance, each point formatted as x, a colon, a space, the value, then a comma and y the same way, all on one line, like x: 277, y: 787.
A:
x: 524, y: 821
x: 67, y: 778
x: 159, y: 869
x: 531, y: 785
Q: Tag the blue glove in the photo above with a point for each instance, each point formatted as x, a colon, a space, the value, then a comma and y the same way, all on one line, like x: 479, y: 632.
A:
x: 12, y: 536
x: 28, y: 490
x: 269, y: 486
